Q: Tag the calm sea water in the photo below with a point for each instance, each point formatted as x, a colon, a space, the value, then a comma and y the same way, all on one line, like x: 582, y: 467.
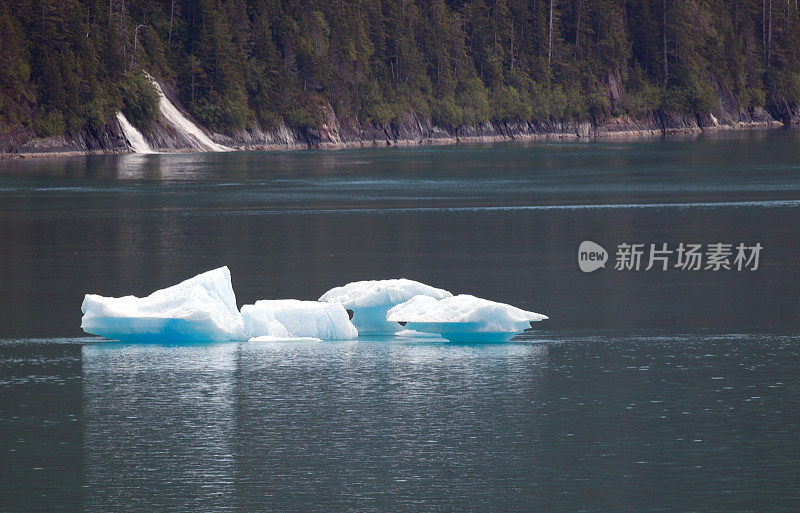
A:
x: 646, y: 391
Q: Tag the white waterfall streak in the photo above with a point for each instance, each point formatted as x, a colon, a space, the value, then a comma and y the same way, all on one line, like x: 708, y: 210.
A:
x: 132, y: 135
x: 195, y: 138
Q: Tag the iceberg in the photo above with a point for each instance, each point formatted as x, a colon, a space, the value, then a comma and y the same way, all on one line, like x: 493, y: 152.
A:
x: 463, y: 318
x: 272, y: 339
x: 370, y: 300
x: 200, y: 309
x: 279, y: 319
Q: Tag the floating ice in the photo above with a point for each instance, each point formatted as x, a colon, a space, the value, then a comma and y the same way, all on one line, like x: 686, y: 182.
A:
x: 414, y: 335
x: 292, y: 318
x: 199, y: 309
x: 463, y: 318
x: 272, y: 338
x: 370, y: 300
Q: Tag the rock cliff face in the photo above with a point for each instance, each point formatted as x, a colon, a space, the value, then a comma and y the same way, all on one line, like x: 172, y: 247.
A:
x: 108, y: 140
x: 783, y: 111
x: 415, y: 130
x: 338, y: 132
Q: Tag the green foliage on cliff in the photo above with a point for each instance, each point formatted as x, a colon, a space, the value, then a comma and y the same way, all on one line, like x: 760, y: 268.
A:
x: 15, y: 70
x: 69, y: 65
x: 139, y: 101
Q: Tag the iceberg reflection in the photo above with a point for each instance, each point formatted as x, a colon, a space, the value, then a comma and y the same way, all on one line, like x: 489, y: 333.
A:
x: 299, y: 426
x: 159, y: 426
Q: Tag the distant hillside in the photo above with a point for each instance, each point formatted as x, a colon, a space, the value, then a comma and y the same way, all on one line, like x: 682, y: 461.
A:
x: 66, y: 67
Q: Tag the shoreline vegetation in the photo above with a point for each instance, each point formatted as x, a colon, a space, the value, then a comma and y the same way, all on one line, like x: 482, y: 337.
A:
x: 333, y: 74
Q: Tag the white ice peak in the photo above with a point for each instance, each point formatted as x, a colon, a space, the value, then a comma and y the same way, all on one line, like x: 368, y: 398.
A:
x: 369, y: 301
x: 463, y: 318
x: 292, y: 318
x: 202, y: 308
x: 462, y: 308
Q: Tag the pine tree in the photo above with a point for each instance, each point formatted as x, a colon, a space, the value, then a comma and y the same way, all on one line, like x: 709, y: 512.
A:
x: 68, y: 65
x: 15, y: 70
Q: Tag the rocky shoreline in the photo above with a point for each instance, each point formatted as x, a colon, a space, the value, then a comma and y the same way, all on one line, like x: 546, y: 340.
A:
x: 52, y: 148
x: 413, y: 130
x: 75, y: 146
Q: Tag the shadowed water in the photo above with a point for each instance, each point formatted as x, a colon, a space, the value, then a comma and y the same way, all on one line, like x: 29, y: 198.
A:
x: 634, y: 396
x: 565, y: 424
x: 502, y: 222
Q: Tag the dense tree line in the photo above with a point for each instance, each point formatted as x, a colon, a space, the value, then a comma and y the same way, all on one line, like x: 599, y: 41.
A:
x: 70, y: 64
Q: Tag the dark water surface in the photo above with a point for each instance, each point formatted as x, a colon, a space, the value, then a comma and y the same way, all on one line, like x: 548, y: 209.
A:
x: 646, y: 391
